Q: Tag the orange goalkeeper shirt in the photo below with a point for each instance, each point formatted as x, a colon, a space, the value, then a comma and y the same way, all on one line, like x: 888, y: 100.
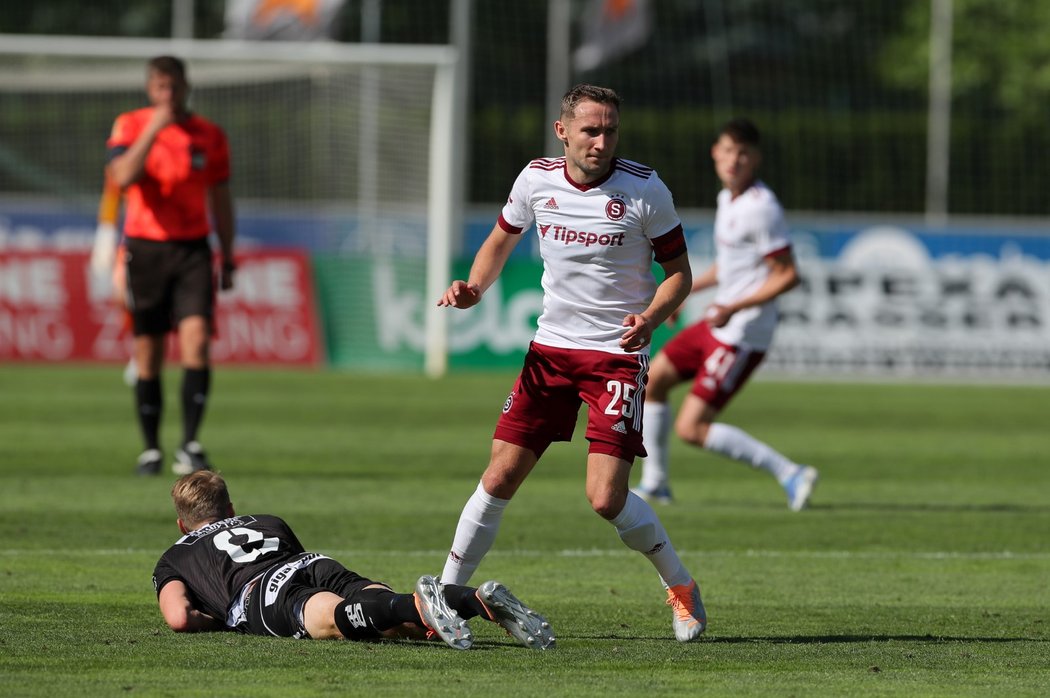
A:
x: 170, y: 200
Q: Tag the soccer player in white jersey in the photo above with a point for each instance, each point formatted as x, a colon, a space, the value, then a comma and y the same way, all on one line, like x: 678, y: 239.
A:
x: 601, y: 221
x: 753, y: 265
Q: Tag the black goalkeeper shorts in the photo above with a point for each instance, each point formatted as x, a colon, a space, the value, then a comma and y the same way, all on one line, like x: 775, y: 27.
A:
x: 168, y: 281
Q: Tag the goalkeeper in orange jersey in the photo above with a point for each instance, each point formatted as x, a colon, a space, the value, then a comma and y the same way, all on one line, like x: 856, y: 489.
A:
x: 173, y: 167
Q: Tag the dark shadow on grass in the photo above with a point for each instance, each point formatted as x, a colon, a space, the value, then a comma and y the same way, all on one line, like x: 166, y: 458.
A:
x: 820, y: 639
x: 487, y: 645
x: 849, y: 639
x: 934, y: 508
x: 916, y: 507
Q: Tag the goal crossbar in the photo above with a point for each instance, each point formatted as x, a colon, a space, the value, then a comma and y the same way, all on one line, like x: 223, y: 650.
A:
x: 232, y: 50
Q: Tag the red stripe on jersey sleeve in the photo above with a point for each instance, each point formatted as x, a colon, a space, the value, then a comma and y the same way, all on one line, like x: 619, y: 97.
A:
x: 669, y: 245
x: 507, y: 227
x: 549, y: 164
x: 777, y: 252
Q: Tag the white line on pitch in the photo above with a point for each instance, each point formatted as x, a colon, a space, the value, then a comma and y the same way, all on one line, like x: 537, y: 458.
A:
x: 593, y: 552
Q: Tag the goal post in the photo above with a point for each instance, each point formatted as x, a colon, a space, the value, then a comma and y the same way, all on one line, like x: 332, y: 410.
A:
x: 354, y: 145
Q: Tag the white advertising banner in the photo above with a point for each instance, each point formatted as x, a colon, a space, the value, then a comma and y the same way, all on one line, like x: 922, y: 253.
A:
x: 889, y: 300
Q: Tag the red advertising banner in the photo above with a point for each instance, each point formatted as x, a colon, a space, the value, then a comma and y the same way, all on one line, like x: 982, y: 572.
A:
x: 52, y: 308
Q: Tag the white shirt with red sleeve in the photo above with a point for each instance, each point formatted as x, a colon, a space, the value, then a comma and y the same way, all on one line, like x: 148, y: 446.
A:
x: 748, y: 229
x: 597, y: 242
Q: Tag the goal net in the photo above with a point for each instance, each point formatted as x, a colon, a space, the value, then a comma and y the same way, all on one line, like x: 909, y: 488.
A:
x: 346, y: 151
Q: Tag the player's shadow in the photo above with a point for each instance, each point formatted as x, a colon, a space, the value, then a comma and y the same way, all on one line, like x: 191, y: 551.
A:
x: 842, y: 639
x: 934, y: 507
x: 914, y: 507
x: 856, y: 639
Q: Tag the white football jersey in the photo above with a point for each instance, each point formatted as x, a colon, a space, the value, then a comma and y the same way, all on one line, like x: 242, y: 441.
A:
x: 748, y: 229
x: 596, y: 244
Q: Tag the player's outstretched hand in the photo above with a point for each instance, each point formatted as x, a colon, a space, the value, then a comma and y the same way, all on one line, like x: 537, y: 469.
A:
x: 717, y: 315
x: 638, y: 335
x: 461, y: 295
x: 104, y: 251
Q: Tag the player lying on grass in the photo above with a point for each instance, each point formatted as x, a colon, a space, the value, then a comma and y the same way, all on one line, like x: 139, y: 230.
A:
x: 251, y: 574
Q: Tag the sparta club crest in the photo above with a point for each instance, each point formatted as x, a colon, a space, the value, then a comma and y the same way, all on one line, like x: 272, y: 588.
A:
x: 616, y: 209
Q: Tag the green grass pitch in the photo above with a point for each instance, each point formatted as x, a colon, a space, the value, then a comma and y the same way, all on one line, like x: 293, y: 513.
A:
x: 922, y: 568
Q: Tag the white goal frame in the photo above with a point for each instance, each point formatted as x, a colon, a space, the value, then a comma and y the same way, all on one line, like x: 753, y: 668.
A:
x: 445, y: 132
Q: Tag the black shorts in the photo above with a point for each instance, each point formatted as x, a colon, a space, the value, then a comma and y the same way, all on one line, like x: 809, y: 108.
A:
x: 275, y: 606
x: 168, y: 281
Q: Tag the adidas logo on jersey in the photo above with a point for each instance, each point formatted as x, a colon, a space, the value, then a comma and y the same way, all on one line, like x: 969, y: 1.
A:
x: 619, y: 426
x: 551, y: 205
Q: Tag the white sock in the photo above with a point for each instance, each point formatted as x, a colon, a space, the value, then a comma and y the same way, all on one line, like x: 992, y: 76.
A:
x: 739, y: 445
x: 475, y: 534
x: 640, y: 529
x: 656, y: 429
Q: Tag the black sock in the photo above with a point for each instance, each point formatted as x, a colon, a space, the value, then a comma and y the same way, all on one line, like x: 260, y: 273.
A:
x: 403, y: 607
x: 371, y: 611
x: 465, y: 601
x: 196, y: 383
x: 148, y: 403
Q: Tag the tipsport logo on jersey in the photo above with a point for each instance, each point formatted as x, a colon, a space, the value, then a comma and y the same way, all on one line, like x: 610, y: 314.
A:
x: 568, y: 236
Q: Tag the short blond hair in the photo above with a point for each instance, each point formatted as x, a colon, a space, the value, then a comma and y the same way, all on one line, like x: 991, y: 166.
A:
x: 200, y: 497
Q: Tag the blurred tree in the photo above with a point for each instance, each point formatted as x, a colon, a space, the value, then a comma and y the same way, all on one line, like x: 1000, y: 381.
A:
x: 1000, y: 54
x: 761, y: 53
x: 139, y: 18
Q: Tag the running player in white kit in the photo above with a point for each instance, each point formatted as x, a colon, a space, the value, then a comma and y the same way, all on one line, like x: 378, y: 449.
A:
x: 753, y: 266
x: 601, y: 221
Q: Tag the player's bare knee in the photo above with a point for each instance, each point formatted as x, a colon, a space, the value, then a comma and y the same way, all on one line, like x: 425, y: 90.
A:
x: 499, y: 487
x: 607, y: 505
x: 658, y: 387
x: 326, y: 631
x: 178, y: 622
x: 692, y: 432
x: 318, y: 616
x: 195, y: 356
x: 503, y: 477
x: 661, y: 379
